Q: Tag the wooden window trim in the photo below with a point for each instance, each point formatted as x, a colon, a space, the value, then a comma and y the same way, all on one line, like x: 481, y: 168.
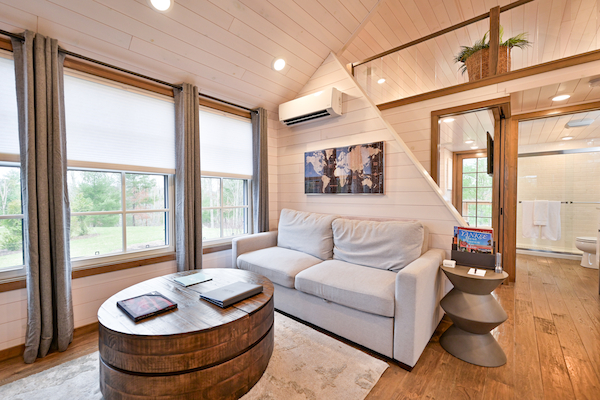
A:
x: 117, y: 266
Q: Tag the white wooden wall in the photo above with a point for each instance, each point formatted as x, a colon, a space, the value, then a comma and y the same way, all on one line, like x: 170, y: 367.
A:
x: 409, y: 191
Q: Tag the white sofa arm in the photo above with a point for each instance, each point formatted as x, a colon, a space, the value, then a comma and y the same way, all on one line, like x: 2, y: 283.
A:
x: 246, y: 244
x: 419, y: 288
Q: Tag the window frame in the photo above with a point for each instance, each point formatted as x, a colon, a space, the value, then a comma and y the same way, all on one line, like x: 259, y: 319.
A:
x: 458, y: 186
x: 14, y: 271
x: 124, y: 254
x: 248, y: 207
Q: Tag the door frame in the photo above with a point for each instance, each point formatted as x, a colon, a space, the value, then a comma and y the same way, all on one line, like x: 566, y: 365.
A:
x: 504, y: 146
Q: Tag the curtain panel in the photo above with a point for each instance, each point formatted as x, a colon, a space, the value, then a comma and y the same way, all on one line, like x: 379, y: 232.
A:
x: 260, y: 171
x: 42, y: 142
x: 188, y: 194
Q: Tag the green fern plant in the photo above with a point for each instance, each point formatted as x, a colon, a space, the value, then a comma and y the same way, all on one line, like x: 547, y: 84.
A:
x: 519, y: 41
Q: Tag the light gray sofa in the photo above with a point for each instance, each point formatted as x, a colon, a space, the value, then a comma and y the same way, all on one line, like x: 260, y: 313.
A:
x: 375, y: 283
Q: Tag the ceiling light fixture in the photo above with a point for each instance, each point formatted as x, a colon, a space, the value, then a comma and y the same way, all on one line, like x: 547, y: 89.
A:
x: 469, y: 141
x: 448, y: 120
x: 474, y: 147
x: 567, y: 137
x: 578, y: 123
x: 381, y: 81
x: 278, y: 64
x: 561, y: 97
x: 161, y: 5
x: 594, y: 82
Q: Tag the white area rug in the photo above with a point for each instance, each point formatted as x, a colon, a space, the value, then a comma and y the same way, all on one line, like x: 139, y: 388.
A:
x: 306, y: 365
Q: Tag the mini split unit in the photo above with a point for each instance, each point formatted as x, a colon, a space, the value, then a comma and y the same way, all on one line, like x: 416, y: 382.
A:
x: 317, y: 106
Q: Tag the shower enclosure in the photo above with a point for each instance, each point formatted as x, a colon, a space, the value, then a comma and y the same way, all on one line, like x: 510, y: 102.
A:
x: 568, y: 176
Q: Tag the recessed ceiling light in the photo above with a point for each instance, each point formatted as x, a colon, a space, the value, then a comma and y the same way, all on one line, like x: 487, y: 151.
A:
x: 561, y: 97
x: 469, y: 141
x: 278, y: 64
x: 594, y: 82
x: 567, y: 137
x: 381, y: 81
x: 474, y: 147
x: 448, y: 119
x: 578, y: 123
x: 161, y: 5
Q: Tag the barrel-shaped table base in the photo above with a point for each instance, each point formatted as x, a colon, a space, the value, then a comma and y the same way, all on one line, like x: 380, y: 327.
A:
x: 478, y: 349
x: 228, y: 380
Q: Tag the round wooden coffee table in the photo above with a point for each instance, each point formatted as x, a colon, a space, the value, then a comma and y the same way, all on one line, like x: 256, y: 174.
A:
x: 197, y: 351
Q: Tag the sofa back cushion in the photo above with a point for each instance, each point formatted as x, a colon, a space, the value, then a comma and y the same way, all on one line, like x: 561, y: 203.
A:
x: 307, y: 232
x: 390, y: 245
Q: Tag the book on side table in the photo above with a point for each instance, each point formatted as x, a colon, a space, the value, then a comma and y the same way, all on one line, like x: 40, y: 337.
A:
x: 146, y: 305
x: 230, y: 294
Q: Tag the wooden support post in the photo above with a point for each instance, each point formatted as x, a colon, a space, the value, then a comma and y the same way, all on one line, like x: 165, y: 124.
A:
x: 494, y: 39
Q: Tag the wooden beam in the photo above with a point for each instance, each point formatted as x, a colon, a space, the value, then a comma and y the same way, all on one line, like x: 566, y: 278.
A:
x: 494, y: 39
x: 509, y: 76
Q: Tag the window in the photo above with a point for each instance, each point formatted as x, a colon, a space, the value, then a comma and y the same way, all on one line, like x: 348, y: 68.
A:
x: 121, y: 161
x: 11, y: 213
x: 476, y: 206
x: 98, y: 212
x: 224, y: 207
x: 226, y: 157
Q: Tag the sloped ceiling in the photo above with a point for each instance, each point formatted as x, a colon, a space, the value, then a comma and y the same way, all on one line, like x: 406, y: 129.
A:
x: 226, y: 47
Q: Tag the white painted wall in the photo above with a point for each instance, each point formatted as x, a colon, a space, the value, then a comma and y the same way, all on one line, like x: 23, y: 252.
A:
x: 410, y: 193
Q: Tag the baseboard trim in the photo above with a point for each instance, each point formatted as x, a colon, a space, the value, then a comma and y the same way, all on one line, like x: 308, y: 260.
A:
x: 348, y: 342
x: 17, y: 351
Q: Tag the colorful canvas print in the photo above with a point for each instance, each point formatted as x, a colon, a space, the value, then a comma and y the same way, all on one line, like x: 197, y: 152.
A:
x: 351, y: 170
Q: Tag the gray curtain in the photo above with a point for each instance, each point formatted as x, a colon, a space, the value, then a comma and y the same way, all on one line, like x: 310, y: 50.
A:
x: 260, y: 171
x: 42, y: 140
x: 188, y: 196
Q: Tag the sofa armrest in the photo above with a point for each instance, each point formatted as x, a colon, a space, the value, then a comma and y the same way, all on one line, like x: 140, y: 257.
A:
x: 419, y: 288
x: 246, y: 244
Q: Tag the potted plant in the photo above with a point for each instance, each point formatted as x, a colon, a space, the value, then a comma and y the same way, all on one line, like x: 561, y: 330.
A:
x: 476, y: 58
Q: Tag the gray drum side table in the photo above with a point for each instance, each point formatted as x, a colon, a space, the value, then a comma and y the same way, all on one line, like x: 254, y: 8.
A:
x: 474, y: 313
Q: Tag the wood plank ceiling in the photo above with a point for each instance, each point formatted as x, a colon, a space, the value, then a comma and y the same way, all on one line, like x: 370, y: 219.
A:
x: 226, y: 47
x: 557, y: 28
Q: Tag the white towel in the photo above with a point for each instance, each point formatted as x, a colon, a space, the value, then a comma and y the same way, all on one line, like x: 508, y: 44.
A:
x: 540, y: 212
x: 528, y: 229
x: 552, y: 230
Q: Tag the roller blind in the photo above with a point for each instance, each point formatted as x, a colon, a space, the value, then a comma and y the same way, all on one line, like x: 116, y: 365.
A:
x: 9, y: 119
x: 225, y: 144
x: 112, y: 123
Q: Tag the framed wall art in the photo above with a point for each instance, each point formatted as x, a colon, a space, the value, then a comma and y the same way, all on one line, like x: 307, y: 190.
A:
x: 354, y: 169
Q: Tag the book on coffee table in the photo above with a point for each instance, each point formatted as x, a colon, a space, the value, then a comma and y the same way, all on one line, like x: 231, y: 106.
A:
x: 146, y: 305
x: 192, y: 279
x: 231, y: 294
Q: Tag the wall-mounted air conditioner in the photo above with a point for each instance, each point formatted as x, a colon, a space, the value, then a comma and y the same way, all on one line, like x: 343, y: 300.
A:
x: 317, y: 106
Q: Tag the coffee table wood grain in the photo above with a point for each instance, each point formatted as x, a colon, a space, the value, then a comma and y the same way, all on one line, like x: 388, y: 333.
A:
x: 198, y: 350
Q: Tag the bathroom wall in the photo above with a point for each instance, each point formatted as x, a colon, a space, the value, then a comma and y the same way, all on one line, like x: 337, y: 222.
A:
x: 564, y: 177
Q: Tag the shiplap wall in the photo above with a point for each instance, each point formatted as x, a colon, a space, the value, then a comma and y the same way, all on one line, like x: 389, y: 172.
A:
x: 409, y: 191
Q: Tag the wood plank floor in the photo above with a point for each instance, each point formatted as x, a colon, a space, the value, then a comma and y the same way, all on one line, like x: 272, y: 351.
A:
x: 551, y: 339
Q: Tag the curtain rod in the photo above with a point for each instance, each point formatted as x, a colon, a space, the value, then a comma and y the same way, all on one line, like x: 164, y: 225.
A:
x: 21, y: 37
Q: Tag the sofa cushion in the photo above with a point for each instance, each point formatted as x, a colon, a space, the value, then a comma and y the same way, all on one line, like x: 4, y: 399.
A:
x: 362, y: 288
x: 306, y: 232
x: 390, y: 245
x: 276, y: 263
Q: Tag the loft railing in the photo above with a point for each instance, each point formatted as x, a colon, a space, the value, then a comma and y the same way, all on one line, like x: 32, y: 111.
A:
x: 426, y: 66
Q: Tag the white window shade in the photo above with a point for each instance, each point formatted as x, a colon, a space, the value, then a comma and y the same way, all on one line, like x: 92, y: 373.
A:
x: 119, y: 125
x: 9, y: 120
x: 225, y: 144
